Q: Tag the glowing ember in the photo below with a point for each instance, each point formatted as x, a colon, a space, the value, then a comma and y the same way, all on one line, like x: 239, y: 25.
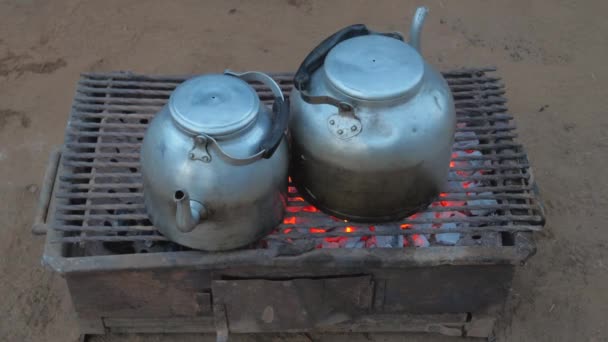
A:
x: 420, y: 240
x: 310, y: 209
x: 438, y: 216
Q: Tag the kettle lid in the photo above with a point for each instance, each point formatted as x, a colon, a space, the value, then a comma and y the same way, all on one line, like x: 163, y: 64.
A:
x: 374, y: 67
x: 214, y: 104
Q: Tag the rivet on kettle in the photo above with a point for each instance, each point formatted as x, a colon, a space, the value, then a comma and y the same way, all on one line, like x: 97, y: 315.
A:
x: 205, y: 159
x: 332, y: 122
x: 353, y: 128
x: 191, y: 155
x: 340, y: 131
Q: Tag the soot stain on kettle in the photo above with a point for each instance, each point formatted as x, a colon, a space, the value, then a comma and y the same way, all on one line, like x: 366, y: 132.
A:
x: 162, y: 148
x: 437, y: 103
x: 375, y: 123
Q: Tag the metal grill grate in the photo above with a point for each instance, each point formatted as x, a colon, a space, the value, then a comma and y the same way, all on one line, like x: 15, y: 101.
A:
x: 99, y: 195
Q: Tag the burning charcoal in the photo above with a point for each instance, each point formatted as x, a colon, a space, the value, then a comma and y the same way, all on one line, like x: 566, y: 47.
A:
x: 448, y: 238
x: 370, y: 242
x: 354, y: 242
x: 419, y: 240
x: 482, y: 212
x: 477, y: 154
x: 387, y: 241
x: 341, y: 242
x: 470, y: 142
x: 327, y: 244
x: 466, y: 163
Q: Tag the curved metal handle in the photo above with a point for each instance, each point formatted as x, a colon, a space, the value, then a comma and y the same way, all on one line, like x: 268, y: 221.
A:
x: 416, y: 28
x: 269, y: 143
x: 256, y: 76
x: 280, y: 109
x: 316, y: 58
x: 40, y: 226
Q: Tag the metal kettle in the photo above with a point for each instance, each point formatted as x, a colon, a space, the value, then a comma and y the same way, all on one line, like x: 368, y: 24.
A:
x: 372, y: 125
x: 214, y: 162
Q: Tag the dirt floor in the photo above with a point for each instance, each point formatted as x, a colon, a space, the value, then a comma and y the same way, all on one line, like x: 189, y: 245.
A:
x: 552, y: 55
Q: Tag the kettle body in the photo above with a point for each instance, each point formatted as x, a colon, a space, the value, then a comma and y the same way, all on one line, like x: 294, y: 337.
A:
x: 372, y: 126
x: 214, y: 162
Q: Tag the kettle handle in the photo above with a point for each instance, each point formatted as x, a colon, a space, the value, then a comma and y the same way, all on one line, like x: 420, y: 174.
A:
x: 316, y: 58
x: 280, y: 109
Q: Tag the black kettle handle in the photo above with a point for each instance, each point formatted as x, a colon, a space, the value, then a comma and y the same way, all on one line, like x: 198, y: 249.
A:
x: 316, y: 57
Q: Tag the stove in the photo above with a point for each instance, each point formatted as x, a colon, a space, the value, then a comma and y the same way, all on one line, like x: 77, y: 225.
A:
x: 447, y: 269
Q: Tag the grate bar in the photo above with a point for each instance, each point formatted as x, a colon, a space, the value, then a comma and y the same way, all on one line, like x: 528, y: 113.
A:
x: 170, y: 84
x: 78, y: 134
x: 396, y: 230
x: 490, y: 104
x: 103, y: 164
x: 502, y: 155
x: 87, y: 89
x: 77, y: 207
x: 122, y: 125
x: 329, y: 231
x: 441, y: 208
x: 113, y: 238
x: 138, y: 185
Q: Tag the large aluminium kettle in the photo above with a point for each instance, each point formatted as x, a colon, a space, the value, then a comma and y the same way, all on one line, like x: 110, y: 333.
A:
x: 372, y: 125
x: 214, y: 162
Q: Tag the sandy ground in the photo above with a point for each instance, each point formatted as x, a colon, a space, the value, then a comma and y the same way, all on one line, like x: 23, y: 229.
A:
x: 551, y: 54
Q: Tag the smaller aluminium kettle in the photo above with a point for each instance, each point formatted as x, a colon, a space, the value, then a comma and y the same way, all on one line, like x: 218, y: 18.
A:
x: 372, y: 125
x: 214, y: 162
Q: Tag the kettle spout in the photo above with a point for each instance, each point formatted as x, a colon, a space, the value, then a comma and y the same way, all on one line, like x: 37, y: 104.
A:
x: 416, y: 28
x: 188, y: 213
